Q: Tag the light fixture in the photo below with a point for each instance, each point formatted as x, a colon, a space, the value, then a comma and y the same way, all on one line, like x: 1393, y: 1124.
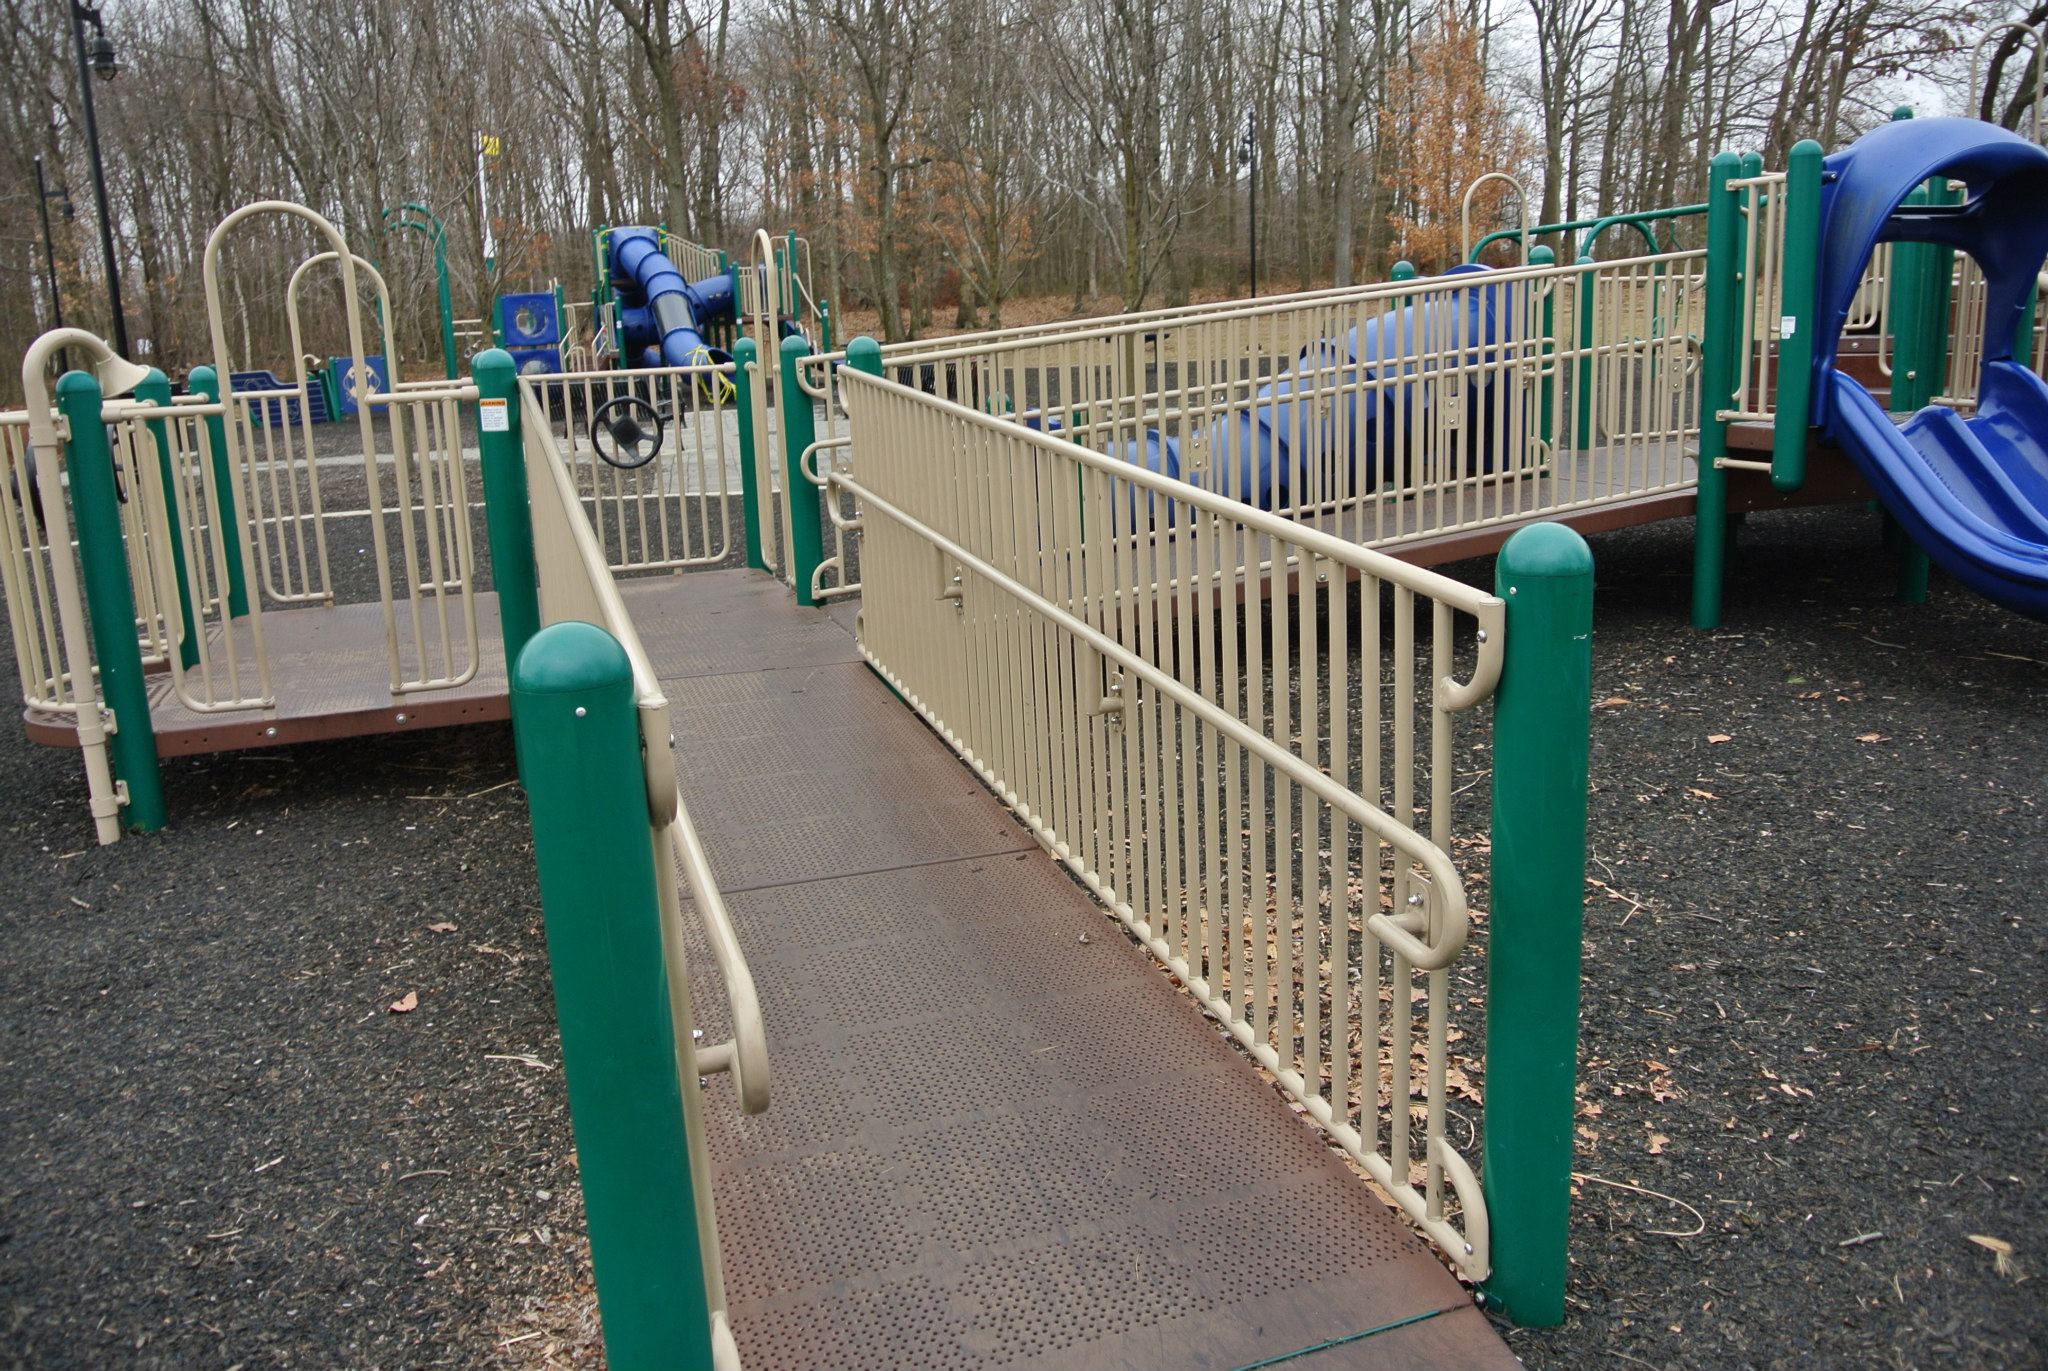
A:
x: 99, y: 53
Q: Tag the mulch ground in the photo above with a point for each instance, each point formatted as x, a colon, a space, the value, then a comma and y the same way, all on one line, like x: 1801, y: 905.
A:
x: 1812, y: 1045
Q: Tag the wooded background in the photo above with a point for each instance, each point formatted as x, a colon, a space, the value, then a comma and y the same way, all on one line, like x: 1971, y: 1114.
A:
x: 944, y: 157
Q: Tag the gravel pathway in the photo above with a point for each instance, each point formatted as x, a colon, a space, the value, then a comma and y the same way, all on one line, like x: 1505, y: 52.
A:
x: 1813, y: 1016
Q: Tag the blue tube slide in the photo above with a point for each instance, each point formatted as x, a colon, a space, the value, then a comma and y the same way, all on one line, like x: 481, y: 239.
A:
x: 1283, y: 442
x: 1971, y: 491
x: 664, y: 316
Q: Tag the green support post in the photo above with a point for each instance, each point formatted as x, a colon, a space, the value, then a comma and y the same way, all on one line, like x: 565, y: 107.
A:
x: 1534, y: 933
x: 156, y: 390
x: 206, y: 383
x: 1582, y: 383
x: 110, y: 601
x: 865, y: 354
x: 1542, y: 256
x: 578, y: 734
x: 508, y: 519
x: 1717, y: 385
x: 825, y: 325
x: 799, y: 430
x: 1403, y: 270
x: 1794, y: 402
x: 1918, y: 306
x: 745, y: 353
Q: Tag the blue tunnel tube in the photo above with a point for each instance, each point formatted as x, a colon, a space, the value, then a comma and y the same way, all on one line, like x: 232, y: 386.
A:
x: 665, y: 325
x: 1279, y: 440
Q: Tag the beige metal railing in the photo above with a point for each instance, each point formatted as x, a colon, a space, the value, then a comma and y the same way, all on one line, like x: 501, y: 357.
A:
x: 678, y: 509
x: 576, y: 583
x: 1760, y: 201
x: 1410, y: 409
x: 1162, y: 683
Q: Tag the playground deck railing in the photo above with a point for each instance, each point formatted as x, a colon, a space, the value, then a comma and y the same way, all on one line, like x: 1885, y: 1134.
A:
x: 1273, y: 822
x: 677, y: 510
x: 1584, y: 393
x: 575, y: 583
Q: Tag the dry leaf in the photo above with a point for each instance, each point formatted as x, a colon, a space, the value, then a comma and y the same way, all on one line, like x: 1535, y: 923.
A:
x: 1613, y: 700
x: 1720, y: 737
x: 1657, y: 1141
x: 1870, y: 738
x: 2000, y: 1250
x: 443, y: 927
x: 407, y: 1003
x: 1696, y: 792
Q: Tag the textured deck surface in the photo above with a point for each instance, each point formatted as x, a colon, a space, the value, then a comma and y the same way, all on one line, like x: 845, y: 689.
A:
x: 999, y: 1137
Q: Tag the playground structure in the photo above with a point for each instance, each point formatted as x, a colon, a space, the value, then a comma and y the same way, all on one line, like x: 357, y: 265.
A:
x: 1133, y: 572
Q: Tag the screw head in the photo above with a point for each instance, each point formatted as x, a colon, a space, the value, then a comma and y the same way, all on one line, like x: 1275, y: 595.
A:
x: 1482, y: 635
x: 270, y: 732
x: 401, y: 717
x: 581, y: 711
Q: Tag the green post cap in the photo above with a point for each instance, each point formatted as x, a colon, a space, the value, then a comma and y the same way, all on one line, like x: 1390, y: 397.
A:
x: 572, y: 656
x: 1545, y: 550
x: 865, y: 354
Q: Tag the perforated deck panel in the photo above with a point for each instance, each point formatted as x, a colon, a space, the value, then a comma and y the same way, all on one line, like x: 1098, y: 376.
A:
x: 999, y: 1136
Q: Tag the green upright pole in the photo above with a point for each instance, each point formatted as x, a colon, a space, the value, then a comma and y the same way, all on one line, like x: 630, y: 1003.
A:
x: 825, y: 326
x: 110, y: 601
x: 744, y: 354
x: 508, y: 520
x: 1542, y: 256
x: 799, y: 431
x: 1794, y: 402
x: 446, y: 301
x: 1545, y: 574
x: 1918, y: 305
x: 1717, y: 385
x: 1582, y: 383
x: 1403, y: 270
x: 579, y: 740
x: 156, y: 390
x: 206, y: 383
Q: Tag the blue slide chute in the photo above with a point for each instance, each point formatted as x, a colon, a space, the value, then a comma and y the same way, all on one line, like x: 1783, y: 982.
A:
x: 1972, y: 492
x: 665, y: 317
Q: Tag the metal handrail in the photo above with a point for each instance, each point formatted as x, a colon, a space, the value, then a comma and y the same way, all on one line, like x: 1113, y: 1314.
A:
x: 1068, y: 652
x: 745, y: 1056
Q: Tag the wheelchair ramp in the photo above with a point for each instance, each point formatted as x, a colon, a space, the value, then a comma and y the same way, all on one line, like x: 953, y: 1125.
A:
x: 1000, y: 1136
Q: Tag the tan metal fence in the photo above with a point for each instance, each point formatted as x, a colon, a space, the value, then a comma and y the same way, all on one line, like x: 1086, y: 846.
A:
x: 1382, y: 414
x: 678, y: 509
x: 576, y: 583
x: 1161, y: 681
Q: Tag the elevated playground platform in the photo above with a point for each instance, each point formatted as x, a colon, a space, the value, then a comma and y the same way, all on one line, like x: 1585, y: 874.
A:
x: 1000, y: 1135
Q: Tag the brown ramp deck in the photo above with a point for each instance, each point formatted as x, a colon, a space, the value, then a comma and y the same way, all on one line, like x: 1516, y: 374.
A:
x: 999, y: 1136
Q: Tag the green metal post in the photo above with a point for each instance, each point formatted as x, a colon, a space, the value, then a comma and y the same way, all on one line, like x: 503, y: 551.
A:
x: 508, y: 519
x: 579, y: 740
x: 1794, y: 402
x: 745, y: 353
x: 1403, y: 270
x: 799, y: 431
x: 1582, y: 384
x: 1905, y: 305
x: 825, y: 326
x: 1545, y: 574
x: 205, y: 383
x: 110, y: 601
x: 1542, y: 256
x: 1717, y: 385
x: 156, y: 390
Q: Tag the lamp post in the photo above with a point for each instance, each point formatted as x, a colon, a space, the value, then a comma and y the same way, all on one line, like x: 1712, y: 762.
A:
x: 1248, y: 157
x: 96, y: 60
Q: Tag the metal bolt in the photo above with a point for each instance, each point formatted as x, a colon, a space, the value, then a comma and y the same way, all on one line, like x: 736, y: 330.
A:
x: 401, y: 717
x: 1414, y: 900
x: 696, y: 1035
x: 1482, y: 635
x: 270, y: 732
x: 580, y: 712
x: 1511, y: 590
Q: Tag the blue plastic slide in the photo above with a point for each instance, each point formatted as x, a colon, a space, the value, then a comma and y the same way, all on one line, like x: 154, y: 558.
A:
x: 664, y: 316
x: 1972, y: 492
